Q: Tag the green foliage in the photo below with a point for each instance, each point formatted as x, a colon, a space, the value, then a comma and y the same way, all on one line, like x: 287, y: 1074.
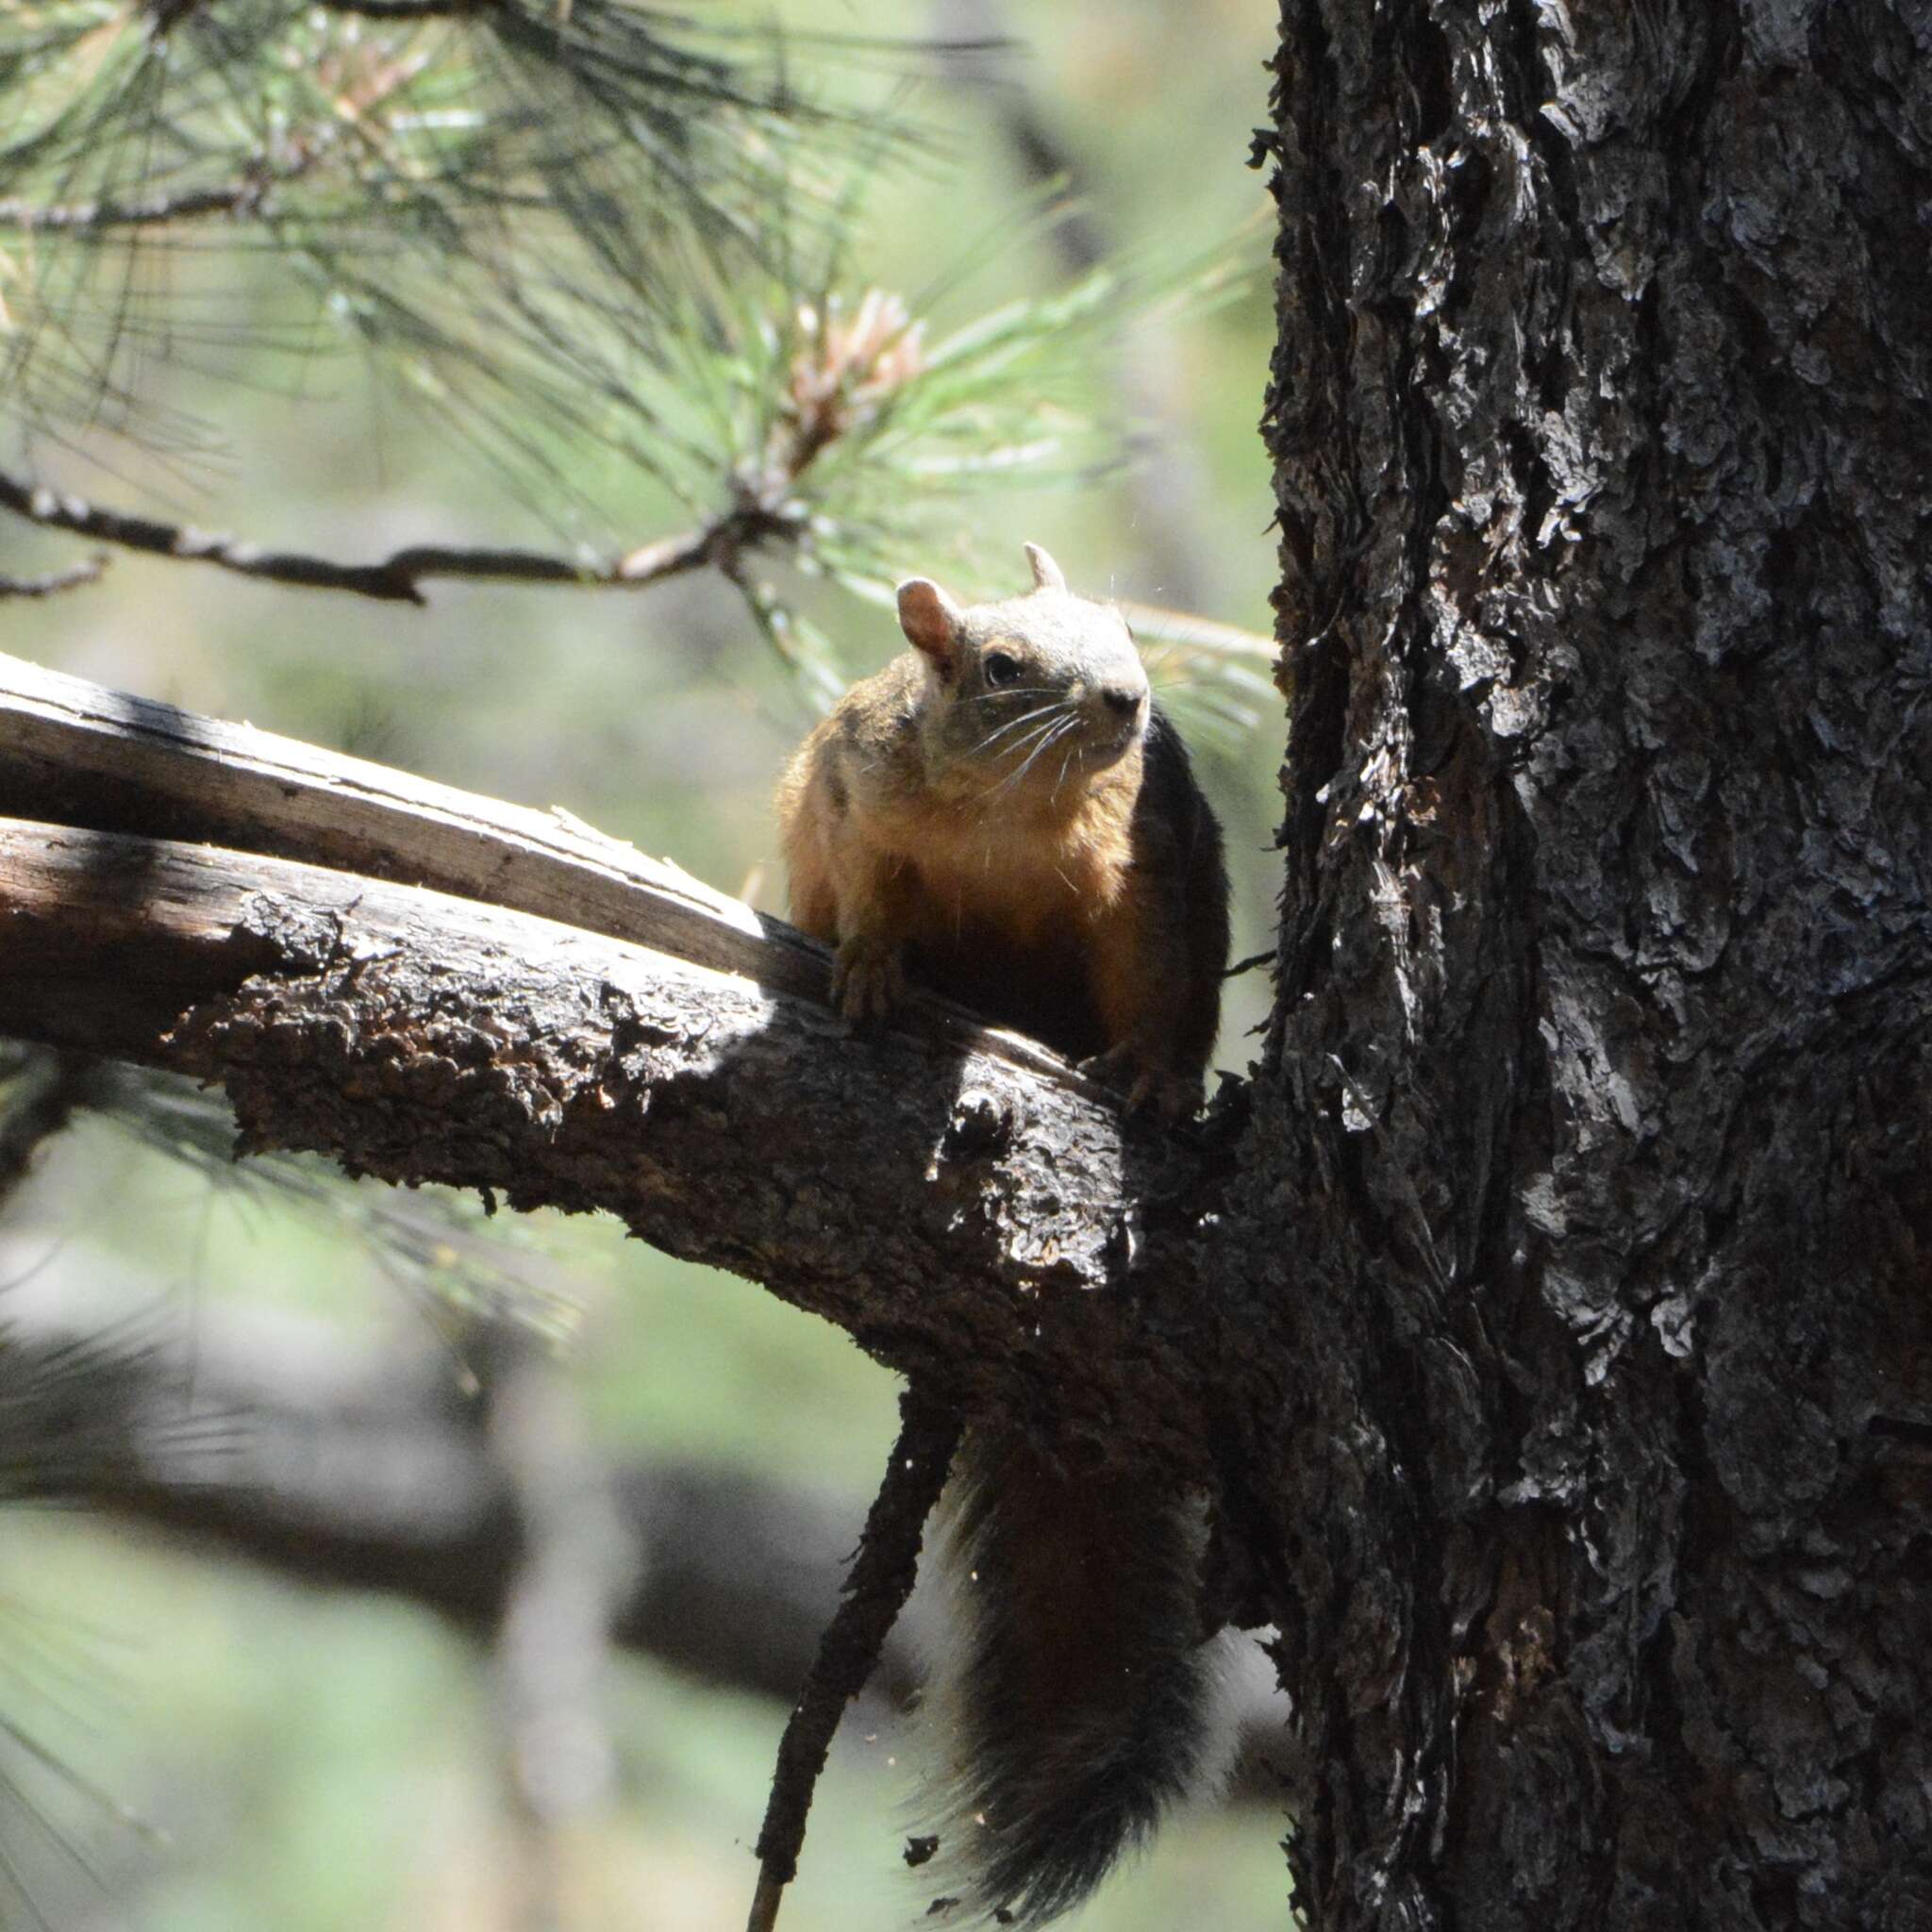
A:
x: 841, y: 413
x: 1216, y: 678
x: 488, y: 200
x: 559, y: 228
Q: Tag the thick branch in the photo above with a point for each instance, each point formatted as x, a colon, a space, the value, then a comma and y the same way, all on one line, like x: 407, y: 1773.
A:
x: 693, y: 1085
x: 81, y: 755
x: 972, y: 1227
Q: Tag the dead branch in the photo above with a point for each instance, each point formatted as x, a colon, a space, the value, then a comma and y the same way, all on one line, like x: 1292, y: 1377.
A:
x: 80, y: 754
x: 868, y: 1607
x: 950, y: 1194
x: 399, y: 577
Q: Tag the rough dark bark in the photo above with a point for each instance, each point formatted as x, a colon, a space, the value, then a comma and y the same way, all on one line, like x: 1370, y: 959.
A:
x: 1600, y: 419
x: 954, y: 1211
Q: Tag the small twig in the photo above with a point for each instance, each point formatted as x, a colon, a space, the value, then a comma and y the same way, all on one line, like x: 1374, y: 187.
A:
x: 56, y: 581
x: 880, y: 1581
x: 399, y: 577
x: 246, y: 198
x: 166, y: 13
x: 156, y: 211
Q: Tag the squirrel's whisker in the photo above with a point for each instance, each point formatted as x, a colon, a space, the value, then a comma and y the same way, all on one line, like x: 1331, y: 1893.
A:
x: 999, y: 731
x: 1055, y: 733
x: 1024, y: 747
x: 1044, y: 719
x: 1061, y: 778
x: 1011, y: 690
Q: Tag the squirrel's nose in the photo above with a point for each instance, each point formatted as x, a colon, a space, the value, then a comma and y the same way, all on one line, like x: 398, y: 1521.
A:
x: 1124, y: 698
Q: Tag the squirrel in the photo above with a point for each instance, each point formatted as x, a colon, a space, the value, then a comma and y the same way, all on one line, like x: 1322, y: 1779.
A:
x: 1003, y: 815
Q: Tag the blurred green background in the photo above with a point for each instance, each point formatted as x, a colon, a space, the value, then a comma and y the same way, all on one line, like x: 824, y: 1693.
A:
x: 305, y: 1759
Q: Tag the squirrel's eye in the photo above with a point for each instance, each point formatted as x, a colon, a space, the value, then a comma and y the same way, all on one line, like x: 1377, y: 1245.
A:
x: 1000, y: 668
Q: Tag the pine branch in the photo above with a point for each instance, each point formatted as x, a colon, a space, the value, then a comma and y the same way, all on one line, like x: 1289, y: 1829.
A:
x: 400, y: 576
x: 976, y: 1227
x: 691, y: 1081
x: 413, y: 9
x: 155, y: 210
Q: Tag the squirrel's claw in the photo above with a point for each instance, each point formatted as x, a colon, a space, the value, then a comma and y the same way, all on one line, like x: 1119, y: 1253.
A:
x: 1147, y: 1083
x: 868, y: 981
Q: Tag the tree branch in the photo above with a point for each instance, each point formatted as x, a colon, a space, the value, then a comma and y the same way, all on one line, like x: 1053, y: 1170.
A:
x: 399, y: 577
x: 155, y: 210
x: 970, y: 1225
x: 956, y: 1198
x: 55, y: 582
x: 868, y: 1607
x: 244, y: 197
x: 81, y: 755
x: 268, y: 1439
x: 413, y: 9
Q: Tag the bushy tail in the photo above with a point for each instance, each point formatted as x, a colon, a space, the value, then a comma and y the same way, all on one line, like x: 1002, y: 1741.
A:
x: 1077, y: 1701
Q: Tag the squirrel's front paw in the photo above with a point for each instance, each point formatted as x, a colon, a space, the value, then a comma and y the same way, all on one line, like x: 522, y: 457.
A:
x: 868, y: 979
x: 1147, y: 1080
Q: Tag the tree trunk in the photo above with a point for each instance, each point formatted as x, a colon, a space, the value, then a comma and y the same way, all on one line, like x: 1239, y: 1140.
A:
x: 1600, y: 426
x: 1549, y: 1306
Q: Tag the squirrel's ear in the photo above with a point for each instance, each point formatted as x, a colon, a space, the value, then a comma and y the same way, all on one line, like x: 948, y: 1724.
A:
x: 931, y: 621
x: 1047, y: 575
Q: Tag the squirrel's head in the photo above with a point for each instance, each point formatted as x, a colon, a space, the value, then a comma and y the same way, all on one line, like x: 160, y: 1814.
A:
x: 1044, y: 689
